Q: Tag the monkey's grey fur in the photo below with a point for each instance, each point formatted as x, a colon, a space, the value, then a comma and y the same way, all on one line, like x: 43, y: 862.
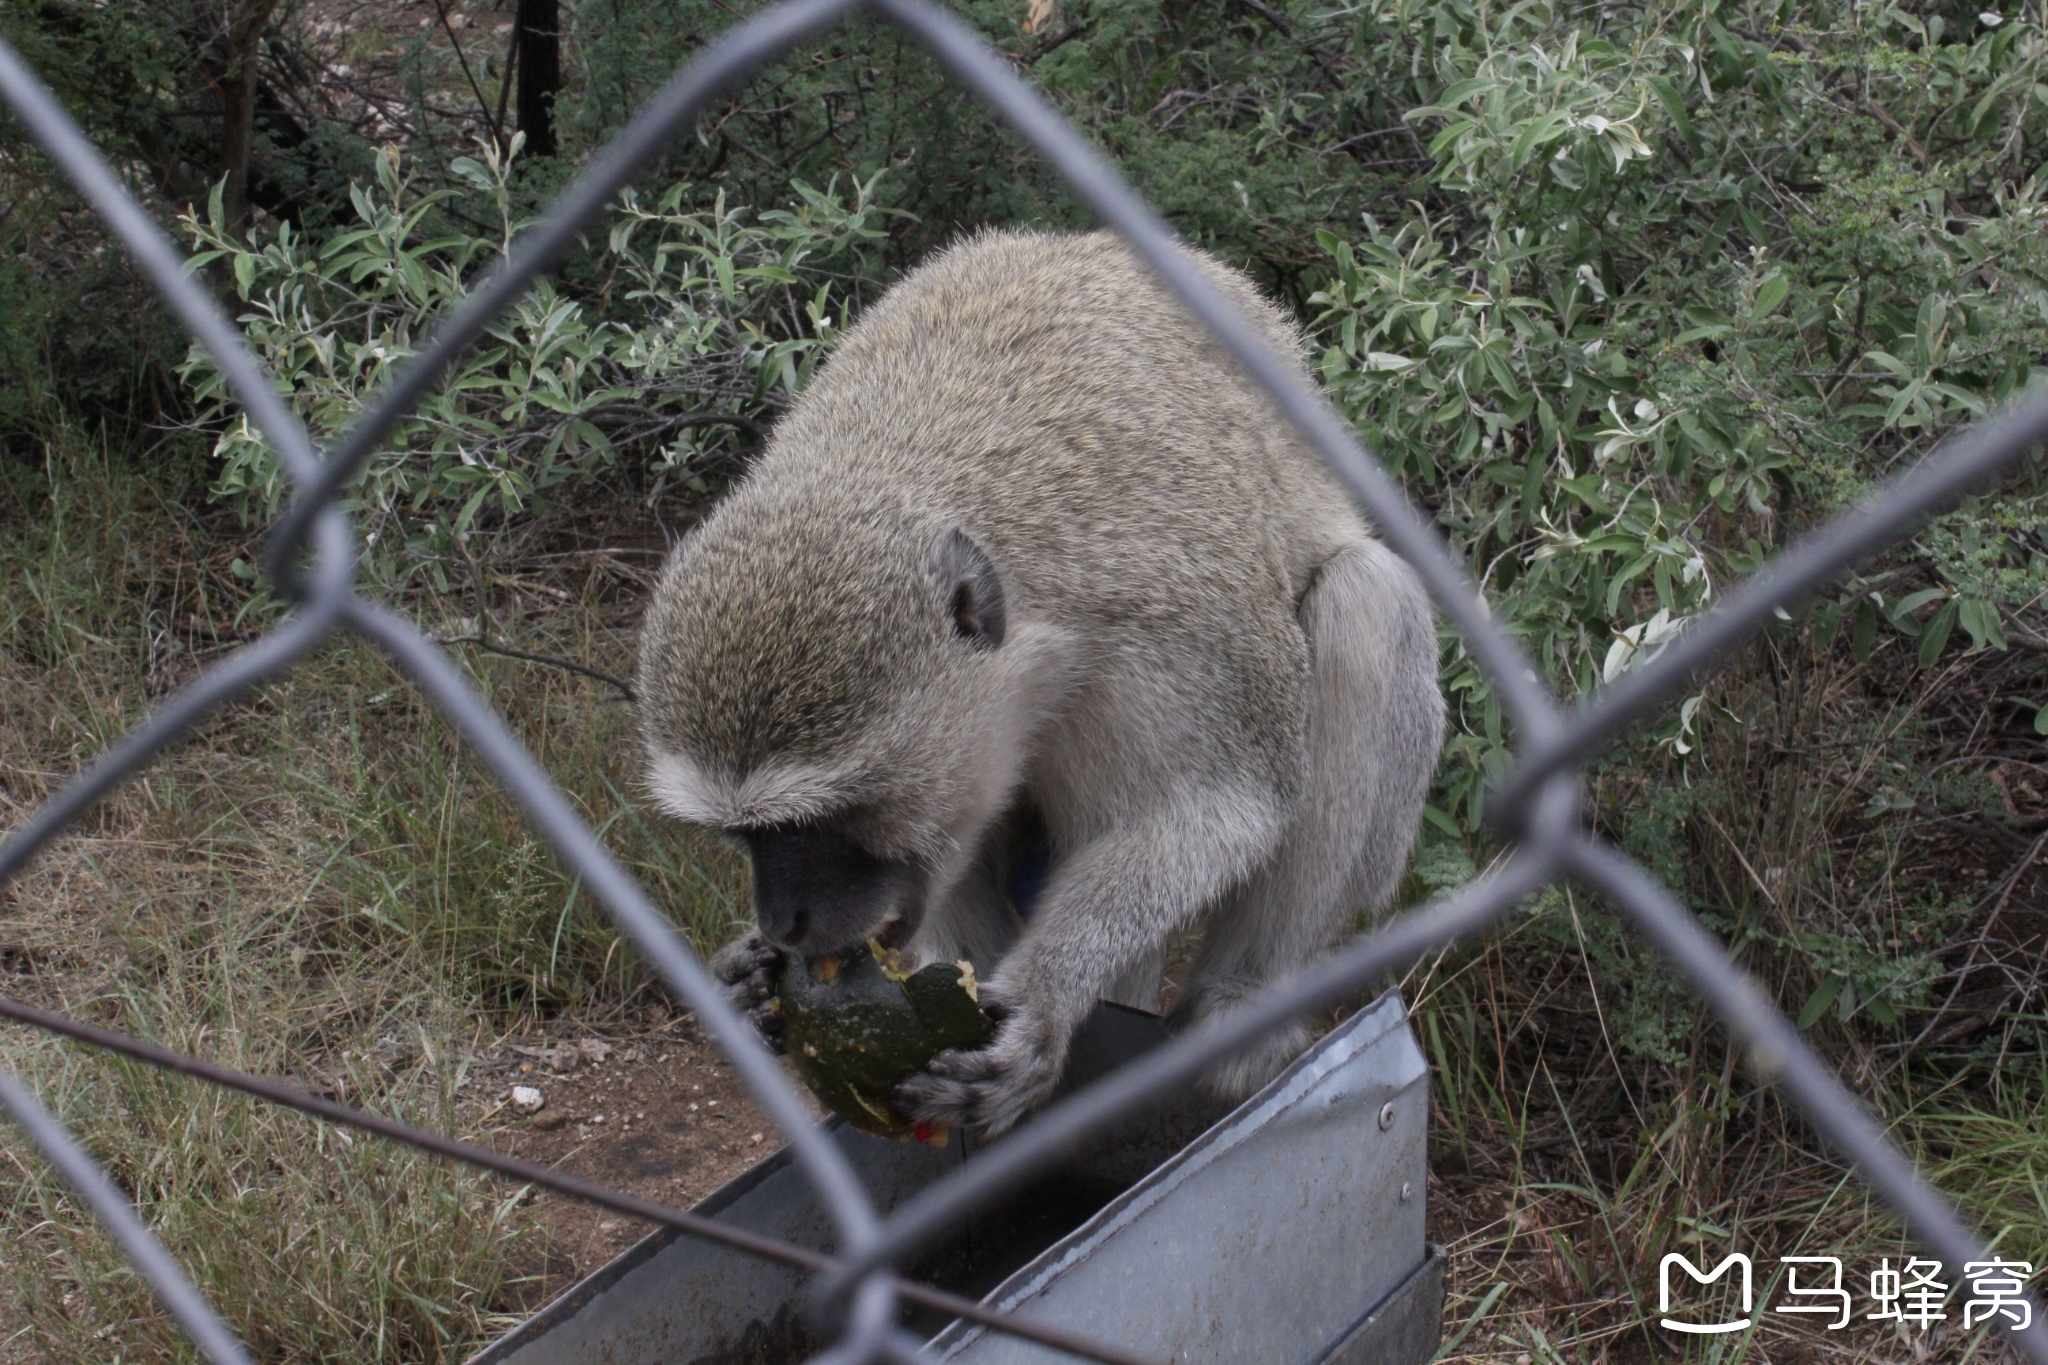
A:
x: 1029, y: 548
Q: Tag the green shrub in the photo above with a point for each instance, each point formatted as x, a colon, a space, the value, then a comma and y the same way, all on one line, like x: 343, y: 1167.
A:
x: 1673, y: 285
x: 706, y: 319
x: 1250, y: 126
x: 1666, y: 305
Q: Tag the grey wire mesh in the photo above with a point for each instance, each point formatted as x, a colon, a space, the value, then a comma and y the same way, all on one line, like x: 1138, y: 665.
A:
x: 1537, y: 804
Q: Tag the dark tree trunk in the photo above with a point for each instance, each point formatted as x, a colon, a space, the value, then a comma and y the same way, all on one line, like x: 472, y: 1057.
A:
x: 540, y: 72
x: 238, y: 106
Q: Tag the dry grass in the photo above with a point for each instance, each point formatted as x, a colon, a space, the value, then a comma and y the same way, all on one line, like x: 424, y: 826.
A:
x: 1856, y: 825
x: 320, y: 885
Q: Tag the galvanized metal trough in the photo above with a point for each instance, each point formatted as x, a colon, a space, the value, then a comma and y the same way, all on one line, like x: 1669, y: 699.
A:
x: 1289, y: 1229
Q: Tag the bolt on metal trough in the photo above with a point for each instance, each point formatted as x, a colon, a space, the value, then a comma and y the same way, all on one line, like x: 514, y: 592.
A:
x: 1289, y: 1229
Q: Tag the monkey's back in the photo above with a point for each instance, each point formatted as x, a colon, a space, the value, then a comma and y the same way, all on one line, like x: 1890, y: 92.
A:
x: 1048, y: 393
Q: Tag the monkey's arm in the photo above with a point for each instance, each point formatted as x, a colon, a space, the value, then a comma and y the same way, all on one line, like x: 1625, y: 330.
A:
x: 1114, y: 901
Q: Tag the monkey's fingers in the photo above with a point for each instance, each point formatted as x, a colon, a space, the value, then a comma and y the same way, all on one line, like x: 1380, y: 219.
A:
x: 747, y: 957
x: 767, y: 1021
x: 931, y: 1096
x: 965, y: 1067
x: 988, y: 1091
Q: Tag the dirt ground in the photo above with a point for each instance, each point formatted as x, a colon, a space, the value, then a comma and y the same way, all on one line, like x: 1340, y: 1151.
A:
x: 646, y: 1106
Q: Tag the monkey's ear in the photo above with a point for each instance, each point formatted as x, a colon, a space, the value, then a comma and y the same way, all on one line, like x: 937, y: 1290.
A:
x: 974, y: 594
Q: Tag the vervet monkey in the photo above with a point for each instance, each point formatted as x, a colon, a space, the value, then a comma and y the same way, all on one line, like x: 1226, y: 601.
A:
x: 1030, y: 563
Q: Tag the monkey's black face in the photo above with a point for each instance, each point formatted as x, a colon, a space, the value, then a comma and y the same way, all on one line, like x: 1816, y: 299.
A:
x: 818, y: 891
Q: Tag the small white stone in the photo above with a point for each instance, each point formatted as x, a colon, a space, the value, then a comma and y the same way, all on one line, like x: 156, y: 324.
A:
x: 527, y: 1100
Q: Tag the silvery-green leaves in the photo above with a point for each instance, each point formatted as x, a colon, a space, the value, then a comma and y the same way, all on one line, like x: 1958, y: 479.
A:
x: 693, y: 311
x: 1679, y: 291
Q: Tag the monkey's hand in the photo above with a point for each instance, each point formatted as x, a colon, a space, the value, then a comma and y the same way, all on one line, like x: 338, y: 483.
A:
x: 989, y: 1090
x: 749, y: 967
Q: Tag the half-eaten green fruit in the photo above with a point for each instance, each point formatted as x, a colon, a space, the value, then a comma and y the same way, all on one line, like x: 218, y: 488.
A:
x: 856, y: 1026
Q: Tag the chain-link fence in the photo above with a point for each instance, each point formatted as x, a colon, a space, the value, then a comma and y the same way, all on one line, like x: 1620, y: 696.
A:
x: 311, y: 561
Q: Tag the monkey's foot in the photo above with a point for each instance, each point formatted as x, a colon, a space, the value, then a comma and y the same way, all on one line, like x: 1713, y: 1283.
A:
x: 1234, y: 1078
x: 750, y: 969
x: 989, y: 1090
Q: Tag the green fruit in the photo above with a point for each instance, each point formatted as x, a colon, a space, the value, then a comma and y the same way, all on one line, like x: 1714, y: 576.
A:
x: 856, y: 1027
